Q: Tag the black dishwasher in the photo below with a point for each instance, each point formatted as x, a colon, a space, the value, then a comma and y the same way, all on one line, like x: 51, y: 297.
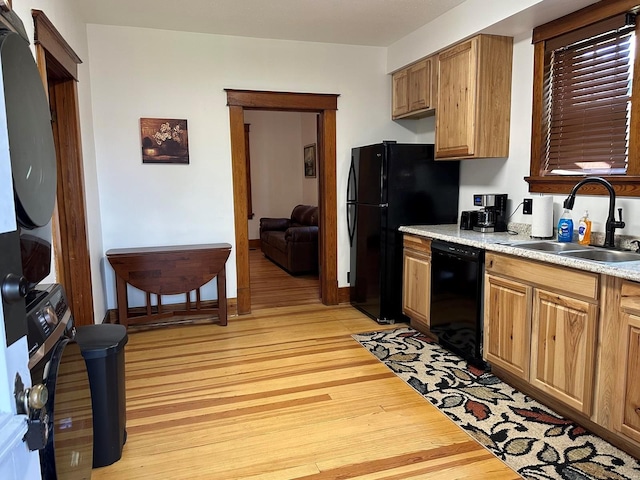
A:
x: 457, y: 299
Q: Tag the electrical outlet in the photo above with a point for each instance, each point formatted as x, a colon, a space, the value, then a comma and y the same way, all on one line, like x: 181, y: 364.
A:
x: 527, y: 206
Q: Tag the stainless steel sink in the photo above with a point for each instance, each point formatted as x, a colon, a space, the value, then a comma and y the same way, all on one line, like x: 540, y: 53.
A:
x: 551, y: 246
x: 603, y: 255
x: 575, y: 250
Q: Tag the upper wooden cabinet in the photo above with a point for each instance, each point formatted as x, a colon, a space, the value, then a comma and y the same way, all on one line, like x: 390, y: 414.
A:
x: 474, y: 98
x: 413, y: 90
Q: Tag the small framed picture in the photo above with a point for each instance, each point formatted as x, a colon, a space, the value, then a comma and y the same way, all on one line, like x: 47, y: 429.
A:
x: 164, y: 140
x: 310, y: 161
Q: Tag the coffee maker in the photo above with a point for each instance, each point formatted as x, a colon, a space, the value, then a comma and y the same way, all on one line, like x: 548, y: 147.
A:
x: 492, y: 216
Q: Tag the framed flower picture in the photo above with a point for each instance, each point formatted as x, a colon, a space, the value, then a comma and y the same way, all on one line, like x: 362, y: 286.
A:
x: 164, y: 140
x: 310, y: 161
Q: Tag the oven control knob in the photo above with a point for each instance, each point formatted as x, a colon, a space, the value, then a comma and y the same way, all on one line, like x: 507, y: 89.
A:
x: 48, y: 316
x: 14, y: 288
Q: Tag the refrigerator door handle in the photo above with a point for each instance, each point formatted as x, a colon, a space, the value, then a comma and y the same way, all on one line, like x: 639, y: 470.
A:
x: 351, y: 221
x: 352, y: 188
x: 352, y: 197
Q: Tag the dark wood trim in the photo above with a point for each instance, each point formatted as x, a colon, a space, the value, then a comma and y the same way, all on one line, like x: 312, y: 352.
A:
x: 537, y: 107
x: 72, y: 251
x: 325, y: 105
x: 581, y: 18
x: 73, y: 260
x: 344, y: 295
x: 288, y: 101
x: 255, y: 243
x: 46, y: 34
x: 239, y: 173
x: 633, y: 168
x: 247, y: 152
x: 624, y: 186
x: 328, y: 208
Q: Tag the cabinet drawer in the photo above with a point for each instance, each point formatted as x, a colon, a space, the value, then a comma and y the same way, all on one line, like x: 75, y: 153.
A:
x: 630, y: 297
x: 564, y: 279
x: 414, y: 242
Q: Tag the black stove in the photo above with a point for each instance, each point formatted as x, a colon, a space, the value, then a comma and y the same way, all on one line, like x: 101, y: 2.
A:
x: 48, y: 320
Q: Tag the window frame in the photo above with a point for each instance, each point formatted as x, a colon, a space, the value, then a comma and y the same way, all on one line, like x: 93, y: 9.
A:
x: 625, y: 185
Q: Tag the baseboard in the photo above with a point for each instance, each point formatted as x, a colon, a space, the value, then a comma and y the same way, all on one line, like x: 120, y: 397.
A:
x: 255, y: 243
x: 232, y: 309
x: 344, y: 294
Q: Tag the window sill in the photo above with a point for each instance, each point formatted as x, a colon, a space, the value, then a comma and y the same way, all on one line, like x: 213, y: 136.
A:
x: 624, y: 185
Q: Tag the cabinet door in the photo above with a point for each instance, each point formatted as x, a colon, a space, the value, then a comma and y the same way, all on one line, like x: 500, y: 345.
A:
x: 563, y: 348
x: 507, y: 324
x: 420, y: 85
x: 400, y: 97
x: 416, y: 288
x: 630, y: 389
x: 455, y: 122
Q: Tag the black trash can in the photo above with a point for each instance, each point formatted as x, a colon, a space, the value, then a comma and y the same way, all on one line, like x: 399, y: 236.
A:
x: 102, y: 347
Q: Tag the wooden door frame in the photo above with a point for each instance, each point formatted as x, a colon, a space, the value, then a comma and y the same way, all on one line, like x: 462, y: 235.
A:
x: 326, y: 106
x: 58, y: 66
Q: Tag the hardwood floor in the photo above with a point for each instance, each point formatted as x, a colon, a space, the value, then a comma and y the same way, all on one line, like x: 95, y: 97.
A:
x: 283, y: 393
x: 271, y: 286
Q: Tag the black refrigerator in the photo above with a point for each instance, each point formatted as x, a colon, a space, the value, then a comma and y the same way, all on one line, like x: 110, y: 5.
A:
x: 391, y: 185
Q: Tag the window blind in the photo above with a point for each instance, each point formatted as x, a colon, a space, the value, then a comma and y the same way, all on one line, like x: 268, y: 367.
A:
x: 587, y: 96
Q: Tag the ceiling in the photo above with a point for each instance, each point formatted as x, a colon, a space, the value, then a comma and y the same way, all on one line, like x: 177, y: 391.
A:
x: 354, y: 22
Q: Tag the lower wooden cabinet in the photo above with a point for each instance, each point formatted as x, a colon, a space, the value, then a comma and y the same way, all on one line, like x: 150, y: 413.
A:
x: 507, y: 325
x: 628, y: 387
x: 540, y: 325
x: 563, y: 346
x: 416, y: 281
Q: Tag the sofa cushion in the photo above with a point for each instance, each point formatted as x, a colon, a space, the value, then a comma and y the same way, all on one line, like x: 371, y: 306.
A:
x: 306, y: 215
x: 276, y: 239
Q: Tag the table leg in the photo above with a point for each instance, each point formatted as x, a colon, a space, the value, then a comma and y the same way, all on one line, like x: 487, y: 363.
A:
x: 222, y: 295
x: 122, y: 301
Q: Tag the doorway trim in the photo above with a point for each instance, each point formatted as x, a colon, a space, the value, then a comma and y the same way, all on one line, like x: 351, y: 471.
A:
x: 58, y: 66
x: 326, y: 106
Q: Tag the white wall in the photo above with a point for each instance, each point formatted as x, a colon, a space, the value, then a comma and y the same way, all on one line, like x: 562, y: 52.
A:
x: 149, y: 73
x: 277, y: 171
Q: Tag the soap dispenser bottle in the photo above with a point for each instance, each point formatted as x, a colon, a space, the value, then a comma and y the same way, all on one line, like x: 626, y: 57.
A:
x: 584, y: 229
x: 565, y: 227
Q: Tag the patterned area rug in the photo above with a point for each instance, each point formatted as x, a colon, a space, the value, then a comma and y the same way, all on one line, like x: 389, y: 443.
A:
x: 529, y: 437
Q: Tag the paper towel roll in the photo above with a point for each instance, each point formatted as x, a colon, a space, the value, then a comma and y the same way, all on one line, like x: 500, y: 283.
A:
x: 542, y: 213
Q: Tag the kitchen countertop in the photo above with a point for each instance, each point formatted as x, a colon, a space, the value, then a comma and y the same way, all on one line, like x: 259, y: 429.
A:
x: 504, y: 242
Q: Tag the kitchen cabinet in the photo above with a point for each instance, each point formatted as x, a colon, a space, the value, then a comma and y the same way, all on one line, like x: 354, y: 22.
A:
x: 507, y: 324
x: 416, y: 281
x: 474, y: 98
x: 413, y: 90
x: 627, y: 389
x: 540, y: 325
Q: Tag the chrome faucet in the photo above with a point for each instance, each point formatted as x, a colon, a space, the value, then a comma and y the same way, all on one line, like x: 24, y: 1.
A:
x: 612, y: 224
